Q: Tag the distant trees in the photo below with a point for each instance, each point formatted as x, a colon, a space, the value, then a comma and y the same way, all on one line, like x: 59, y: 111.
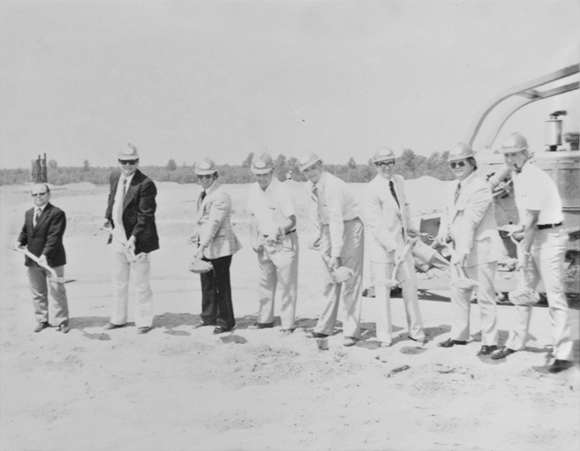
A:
x: 409, y: 165
x: 171, y: 165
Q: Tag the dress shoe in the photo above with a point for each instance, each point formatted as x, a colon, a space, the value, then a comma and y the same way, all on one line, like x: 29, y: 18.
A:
x: 349, y: 341
x: 487, y: 350
x: 261, y: 326
x: 111, y: 326
x: 41, y: 326
x: 559, y: 365
x: 144, y: 330
x: 422, y: 341
x: 220, y: 330
x: 501, y: 353
x: 313, y: 334
x: 201, y: 324
x: 385, y: 344
x: 64, y: 328
x: 450, y: 343
x: 287, y: 331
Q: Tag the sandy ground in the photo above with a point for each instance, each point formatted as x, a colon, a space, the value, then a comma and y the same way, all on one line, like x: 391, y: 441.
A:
x: 183, y: 389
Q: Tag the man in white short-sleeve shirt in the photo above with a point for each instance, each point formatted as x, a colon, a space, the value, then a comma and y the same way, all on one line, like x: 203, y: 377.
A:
x: 275, y: 241
x: 543, y: 248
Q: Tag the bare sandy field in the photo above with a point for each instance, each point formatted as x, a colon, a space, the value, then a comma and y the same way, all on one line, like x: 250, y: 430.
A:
x: 182, y: 389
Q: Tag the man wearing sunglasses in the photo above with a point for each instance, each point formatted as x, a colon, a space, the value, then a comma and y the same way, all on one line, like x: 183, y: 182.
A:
x: 469, y: 226
x: 388, y: 220
x: 131, y: 214
x: 215, y: 242
x: 543, y: 244
x: 41, y: 235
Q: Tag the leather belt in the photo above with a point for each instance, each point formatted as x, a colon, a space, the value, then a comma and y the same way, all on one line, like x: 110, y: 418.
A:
x: 548, y: 226
x: 291, y: 231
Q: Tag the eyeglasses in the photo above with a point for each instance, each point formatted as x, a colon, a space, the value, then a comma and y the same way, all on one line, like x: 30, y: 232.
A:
x: 459, y: 163
x: 131, y: 162
x: 39, y: 194
x: 205, y: 176
x: 385, y: 164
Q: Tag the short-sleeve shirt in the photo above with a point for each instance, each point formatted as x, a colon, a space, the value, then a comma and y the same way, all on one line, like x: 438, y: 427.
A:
x: 275, y: 204
x: 535, y: 190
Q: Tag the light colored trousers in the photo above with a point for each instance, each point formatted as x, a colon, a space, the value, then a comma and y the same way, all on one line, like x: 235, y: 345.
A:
x: 279, y: 270
x: 41, y: 289
x: 405, y: 274
x: 486, y: 300
x: 548, y: 252
x: 122, y: 270
x: 352, y: 256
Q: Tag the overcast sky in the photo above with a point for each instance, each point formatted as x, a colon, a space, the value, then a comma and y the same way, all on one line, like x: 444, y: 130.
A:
x: 187, y: 79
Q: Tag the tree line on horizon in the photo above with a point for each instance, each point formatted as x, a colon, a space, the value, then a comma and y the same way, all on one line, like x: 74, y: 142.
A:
x: 409, y: 165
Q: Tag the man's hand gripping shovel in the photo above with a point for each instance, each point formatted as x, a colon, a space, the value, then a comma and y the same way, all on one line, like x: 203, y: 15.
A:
x: 128, y: 251
x: 393, y: 282
x: 53, y: 276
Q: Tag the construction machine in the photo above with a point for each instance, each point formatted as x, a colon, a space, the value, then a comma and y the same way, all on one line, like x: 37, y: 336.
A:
x: 560, y: 159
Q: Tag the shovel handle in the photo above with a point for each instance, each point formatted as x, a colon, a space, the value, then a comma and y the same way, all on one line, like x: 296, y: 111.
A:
x: 37, y: 260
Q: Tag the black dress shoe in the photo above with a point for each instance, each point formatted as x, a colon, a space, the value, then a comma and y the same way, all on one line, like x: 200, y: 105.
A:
x: 220, y: 330
x: 144, y: 330
x: 559, y: 365
x: 313, y: 334
x: 501, y: 353
x: 450, y: 343
x: 261, y: 326
x: 111, y: 326
x: 487, y: 350
x: 41, y: 326
x: 64, y: 328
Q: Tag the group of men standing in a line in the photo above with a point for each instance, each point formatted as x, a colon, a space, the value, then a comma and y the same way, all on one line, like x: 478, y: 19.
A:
x: 468, y: 228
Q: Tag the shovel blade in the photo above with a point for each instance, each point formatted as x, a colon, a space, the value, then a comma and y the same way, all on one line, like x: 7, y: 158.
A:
x: 62, y: 280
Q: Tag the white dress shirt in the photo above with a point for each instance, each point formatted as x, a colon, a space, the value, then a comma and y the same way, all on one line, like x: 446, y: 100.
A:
x: 272, y: 206
x: 336, y: 205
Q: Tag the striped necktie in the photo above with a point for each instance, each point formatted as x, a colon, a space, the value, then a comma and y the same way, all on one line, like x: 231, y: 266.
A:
x: 37, y: 216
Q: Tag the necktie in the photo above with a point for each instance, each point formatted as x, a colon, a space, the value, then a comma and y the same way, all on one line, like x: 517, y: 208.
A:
x: 37, y: 215
x: 202, y: 197
x: 392, y: 186
x: 457, y: 191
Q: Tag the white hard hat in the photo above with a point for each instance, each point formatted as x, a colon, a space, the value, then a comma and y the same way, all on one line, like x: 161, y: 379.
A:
x: 205, y: 167
x: 383, y: 154
x: 460, y: 152
x: 128, y: 153
x: 262, y: 164
x: 307, y: 160
x: 514, y: 143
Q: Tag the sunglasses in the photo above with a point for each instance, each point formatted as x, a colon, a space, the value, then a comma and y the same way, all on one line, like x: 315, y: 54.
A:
x: 459, y: 163
x: 130, y: 162
x: 206, y: 176
x: 39, y: 194
x: 385, y: 164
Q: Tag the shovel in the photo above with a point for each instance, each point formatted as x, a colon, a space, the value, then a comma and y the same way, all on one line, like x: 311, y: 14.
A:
x: 53, y: 276
x: 394, y: 283
x: 338, y: 275
x: 463, y: 282
x: 128, y: 251
x: 523, y: 295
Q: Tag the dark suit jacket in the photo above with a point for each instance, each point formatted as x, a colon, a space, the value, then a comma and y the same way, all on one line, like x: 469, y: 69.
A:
x: 46, y: 237
x: 138, y: 211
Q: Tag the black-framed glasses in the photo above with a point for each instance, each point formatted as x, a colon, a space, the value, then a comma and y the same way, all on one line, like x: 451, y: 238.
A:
x: 455, y: 164
x: 39, y: 194
x: 385, y: 164
x: 204, y: 176
x: 130, y: 162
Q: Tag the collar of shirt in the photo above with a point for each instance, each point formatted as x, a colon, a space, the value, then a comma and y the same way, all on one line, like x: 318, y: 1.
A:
x: 40, y: 208
x: 466, y: 181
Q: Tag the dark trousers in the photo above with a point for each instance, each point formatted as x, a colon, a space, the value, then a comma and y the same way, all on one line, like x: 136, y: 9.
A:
x: 216, y: 294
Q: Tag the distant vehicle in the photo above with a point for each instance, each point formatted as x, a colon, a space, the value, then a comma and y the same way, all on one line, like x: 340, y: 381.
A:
x: 560, y: 159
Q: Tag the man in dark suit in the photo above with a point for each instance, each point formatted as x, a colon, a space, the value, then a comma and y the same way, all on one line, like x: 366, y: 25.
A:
x: 131, y: 214
x: 42, y: 234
